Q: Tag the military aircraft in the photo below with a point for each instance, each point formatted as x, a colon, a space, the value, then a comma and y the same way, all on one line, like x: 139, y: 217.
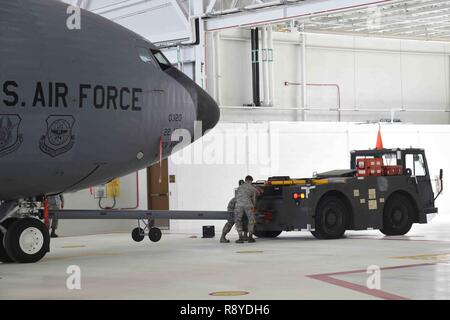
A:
x: 78, y: 107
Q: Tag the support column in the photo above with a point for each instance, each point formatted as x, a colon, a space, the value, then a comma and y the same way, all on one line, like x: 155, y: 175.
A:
x: 255, y: 66
x: 304, y: 80
x: 270, y: 66
x: 199, y: 71
x: 264, y: 57
x: 216, y: 71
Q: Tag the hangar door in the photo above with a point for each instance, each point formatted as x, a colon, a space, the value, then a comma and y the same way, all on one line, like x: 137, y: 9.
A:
x: 158, y: 190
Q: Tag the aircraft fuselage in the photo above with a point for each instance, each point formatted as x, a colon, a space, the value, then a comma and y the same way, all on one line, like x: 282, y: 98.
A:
x: 79, y: 107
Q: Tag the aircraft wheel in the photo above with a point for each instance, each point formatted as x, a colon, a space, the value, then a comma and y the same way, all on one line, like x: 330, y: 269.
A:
x: 154, y: 234
x: 331, y: 218
x: 8, y: 222
x: 27, y: 240
x: 3, y: 254
x: 4, y: 257
x: 138, y: 234
x: 397, y: 216
x: 267, y: 234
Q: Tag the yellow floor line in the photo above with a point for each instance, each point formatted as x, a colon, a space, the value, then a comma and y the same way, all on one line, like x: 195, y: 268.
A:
x: 437, y: 257
x: 84, y: 255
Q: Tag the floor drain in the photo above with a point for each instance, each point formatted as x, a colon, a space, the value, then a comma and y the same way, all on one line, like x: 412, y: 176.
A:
x: 229, y: 293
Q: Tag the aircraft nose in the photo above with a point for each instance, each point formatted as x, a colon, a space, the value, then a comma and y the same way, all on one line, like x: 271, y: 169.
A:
x: 207, y: 110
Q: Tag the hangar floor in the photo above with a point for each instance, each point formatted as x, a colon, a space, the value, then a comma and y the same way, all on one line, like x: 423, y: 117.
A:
x: 293, y: 266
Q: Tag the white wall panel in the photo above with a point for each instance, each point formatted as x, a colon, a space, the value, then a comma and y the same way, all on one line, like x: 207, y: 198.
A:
x: 235, y: 53
x: 378, y: 80
x: 286, y: 59
x: 425, y: 81
x: 322, y: 68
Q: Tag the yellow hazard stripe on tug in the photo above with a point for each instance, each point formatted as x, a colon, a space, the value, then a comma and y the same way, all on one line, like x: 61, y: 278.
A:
x: 320, y: 182
x: 316, y: 182
x: 287, y: 182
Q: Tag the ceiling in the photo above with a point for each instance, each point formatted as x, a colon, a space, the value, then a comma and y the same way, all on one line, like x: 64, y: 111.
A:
x: 420, y: 19
x: 417, y: 19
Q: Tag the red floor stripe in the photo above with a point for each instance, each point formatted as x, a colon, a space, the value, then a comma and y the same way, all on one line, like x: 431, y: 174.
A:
x: 328, y: 278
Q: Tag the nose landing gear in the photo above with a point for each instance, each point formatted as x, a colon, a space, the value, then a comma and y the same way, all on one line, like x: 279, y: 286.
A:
x: 138, y: 234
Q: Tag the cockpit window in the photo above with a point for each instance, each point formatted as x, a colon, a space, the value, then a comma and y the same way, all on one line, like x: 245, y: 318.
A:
x: 147, y: 56
x: 161, y: 59
x: 154, y: 57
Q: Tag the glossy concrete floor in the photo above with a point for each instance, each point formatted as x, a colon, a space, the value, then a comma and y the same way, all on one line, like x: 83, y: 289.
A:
x: 293, y: 266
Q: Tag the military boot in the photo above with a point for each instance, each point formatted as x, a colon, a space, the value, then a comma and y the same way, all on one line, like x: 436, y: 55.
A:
x: 223, y: 239
x: 226, y: 229
x: 241, y: 238
x: 53, y: 234
x: 250, y: 238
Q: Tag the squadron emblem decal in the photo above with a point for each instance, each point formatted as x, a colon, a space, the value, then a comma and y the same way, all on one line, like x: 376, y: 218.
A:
x: 10, y: 139
x: 59, y: 138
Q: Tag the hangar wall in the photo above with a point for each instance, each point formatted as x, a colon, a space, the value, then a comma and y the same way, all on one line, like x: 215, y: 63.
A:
x: 372, y: 73
x: 207, y: 173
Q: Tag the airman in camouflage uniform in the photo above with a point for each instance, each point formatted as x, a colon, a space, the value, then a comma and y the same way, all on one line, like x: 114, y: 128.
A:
x: 245, y: 205
x: 230, y: 223
x: 55, y: 203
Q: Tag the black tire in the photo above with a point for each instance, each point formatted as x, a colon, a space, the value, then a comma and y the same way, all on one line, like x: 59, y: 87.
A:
x: 267, y: 234
x: 154, y: 234
x: 331, y: 218
x: 138, y: 234
x: 3, y: 254
x: 35, y: 244
x: 8, y: 222
x: 317, y: 235
x: 398, y: 216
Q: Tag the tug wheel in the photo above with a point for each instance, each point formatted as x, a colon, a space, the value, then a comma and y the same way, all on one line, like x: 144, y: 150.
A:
x: 138, y: 234
x: 154, y: 234
x: 331, y: 218
x: 397, y: 216
x: 267, y: 234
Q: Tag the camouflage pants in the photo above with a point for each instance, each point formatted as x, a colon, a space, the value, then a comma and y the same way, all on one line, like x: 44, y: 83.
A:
x: 54, y: 206
x: 239, y: 214
x: 54, y: 224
